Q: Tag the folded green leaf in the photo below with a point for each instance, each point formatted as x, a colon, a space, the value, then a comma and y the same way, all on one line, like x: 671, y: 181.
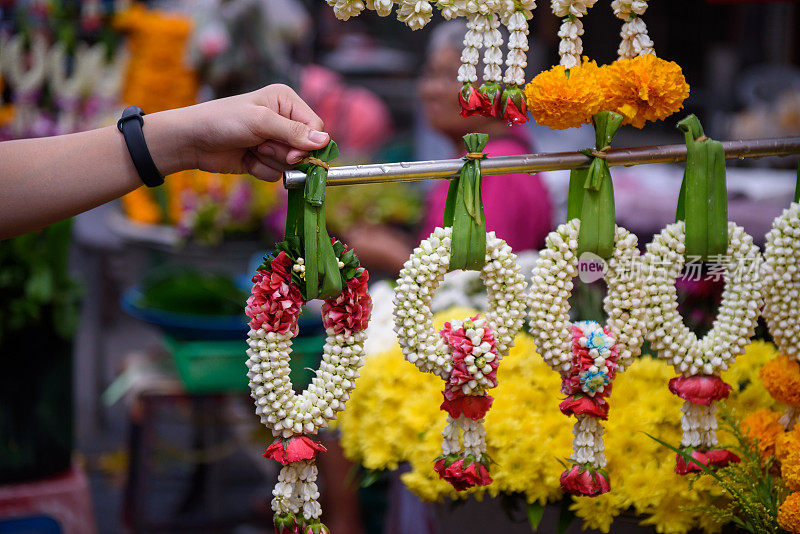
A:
x: 535, y: 514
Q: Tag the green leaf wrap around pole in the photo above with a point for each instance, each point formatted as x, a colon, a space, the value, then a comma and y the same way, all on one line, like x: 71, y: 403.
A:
x: 797, y: 185
x: 702, y: 201
x: 305, y: 225
x: 591, y: 192
x: 463, y: 210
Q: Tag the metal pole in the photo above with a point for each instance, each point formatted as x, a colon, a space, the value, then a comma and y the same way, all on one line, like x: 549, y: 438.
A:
x: 532, y: 163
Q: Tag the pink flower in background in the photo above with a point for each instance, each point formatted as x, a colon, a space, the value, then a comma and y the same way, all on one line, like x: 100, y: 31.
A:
x: 276, y: 303
x: 579, y: 480
x: 350, y: 310
x: 700, y: 389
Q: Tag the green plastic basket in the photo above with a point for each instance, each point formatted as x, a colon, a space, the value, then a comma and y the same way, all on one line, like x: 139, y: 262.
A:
x: 219, y: 366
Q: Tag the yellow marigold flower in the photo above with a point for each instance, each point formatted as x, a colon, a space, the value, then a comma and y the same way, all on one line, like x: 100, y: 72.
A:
x: 644, y: 88
x: 789, y: 513
x: 763, y: 425
x: 781, y: 377
x: 790, y: 471
x: 559, y: 101
x: 787, y: 444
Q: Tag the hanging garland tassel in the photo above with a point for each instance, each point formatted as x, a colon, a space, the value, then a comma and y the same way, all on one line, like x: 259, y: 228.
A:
x: 570, y: 48
x: 514, y: 109
x: 635, y: 41
x: 471, y: 100
x: 296, y: 272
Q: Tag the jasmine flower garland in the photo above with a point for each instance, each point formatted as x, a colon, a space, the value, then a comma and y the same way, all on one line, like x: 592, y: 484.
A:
x: 465, y: 354
x: 415, y: 13
x: 587, y: 356
x: 700, y: 361
x: 274, y: 308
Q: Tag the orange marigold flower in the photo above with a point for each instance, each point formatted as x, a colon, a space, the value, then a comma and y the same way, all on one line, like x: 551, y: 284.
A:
x: 763, y: 425
x: 559, y: 100
x: 644, y: 88
x: 781, y: 378
x: 789, y: 513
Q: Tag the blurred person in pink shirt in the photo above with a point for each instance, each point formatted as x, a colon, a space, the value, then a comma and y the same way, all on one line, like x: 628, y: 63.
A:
x: 517, y: 207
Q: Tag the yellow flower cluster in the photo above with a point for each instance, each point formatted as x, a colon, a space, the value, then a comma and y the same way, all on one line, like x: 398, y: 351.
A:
x: 789, y: 513
x: 393, y: 417
x: 644, y: 88
x: 781, y: 377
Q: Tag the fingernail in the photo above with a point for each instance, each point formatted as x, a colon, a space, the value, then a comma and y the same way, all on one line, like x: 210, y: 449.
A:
x: 266, y: 150
x: 317, y: 136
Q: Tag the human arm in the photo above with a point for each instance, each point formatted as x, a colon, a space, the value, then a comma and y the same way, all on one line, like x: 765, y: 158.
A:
x: 48, y: 179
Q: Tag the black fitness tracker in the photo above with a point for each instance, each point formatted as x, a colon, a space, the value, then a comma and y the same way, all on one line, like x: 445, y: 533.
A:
x: 130, y: 124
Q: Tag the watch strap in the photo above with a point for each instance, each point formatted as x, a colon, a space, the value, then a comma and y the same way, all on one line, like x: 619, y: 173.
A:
x: 131, y: 125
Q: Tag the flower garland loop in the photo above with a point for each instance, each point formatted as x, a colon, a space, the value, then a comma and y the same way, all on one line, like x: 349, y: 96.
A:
x: 781, y: 260
x: 587, y: 356
x: 465, y: 353
x: 701, y: 361
x: 274, y: 308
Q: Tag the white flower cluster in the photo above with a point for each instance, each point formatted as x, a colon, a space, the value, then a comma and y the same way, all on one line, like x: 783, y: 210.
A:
x: 635, y: 40
x: 492, y: 55
x: 296, y: 491
x: 451, y: 9
x: 588, y: 445
x: 699, y: 425
x: 782, y: 268
x: 344, y: 9
x: 790, y: 417
x: 382, y: 7
x: 737, y: 316
x: 517, y: 60
x: 571, y: 47
x: 552, y: 285
x: 473, y: 438
x: 415, y: 13
x: 418, y: 281
x: 279, y: 407
x: 473, y: 42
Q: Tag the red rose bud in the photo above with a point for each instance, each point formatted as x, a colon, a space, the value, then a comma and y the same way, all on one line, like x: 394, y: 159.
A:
x: 285, y: 524
x: 294, y: 449
x: 581, y: 480
x: 513, y: 105
x: 460, y: 477
x: 701, y: 389
x: 683, y: 467
x: 472, y: 406
x: 722, y: 458
x: 492, y: 94
x: 472, y: 102
x: 583, y: 404
x: 316, y: 528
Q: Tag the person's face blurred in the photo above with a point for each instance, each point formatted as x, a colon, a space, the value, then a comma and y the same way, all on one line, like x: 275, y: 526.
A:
x: 438, y: 89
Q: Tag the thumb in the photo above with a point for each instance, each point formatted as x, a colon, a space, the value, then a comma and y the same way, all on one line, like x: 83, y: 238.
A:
x: 273, y: 126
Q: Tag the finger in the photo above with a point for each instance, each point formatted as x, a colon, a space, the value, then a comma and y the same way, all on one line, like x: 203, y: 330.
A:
x: 278, y: 165
x: 255, y: 167
x: 271, y: 126
x: 281, y: 152
x: 291, y: 106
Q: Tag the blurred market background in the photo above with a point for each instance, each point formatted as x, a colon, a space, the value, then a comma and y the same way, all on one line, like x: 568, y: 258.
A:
x: 123, y: 396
